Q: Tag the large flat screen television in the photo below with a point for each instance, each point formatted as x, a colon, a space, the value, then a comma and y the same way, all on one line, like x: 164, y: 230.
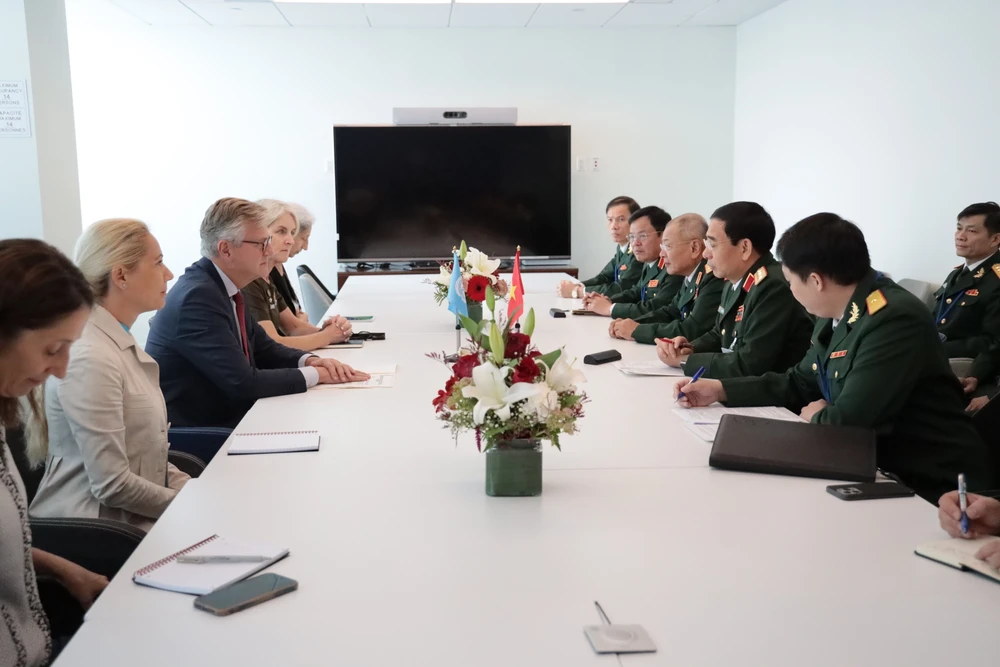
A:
x: 413, y: 193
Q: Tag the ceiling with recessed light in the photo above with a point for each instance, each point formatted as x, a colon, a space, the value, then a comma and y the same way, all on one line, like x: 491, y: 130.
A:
x: 445, y: 13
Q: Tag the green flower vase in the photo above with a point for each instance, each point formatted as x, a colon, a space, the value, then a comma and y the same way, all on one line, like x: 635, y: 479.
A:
x: 475, y: 311
x: 514, y: 468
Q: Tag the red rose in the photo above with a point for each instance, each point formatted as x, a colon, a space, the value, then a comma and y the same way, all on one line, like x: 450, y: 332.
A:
x: 517, y: 344
x: 477, y: 288
x: 526, y: 370
x: 463, y: 367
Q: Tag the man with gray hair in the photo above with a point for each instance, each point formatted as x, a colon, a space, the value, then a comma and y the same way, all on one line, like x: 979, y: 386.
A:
x: 215, y: 360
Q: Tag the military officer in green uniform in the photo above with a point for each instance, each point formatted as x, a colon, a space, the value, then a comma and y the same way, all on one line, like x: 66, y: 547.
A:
x: 622, y: 271
x: 759, y: 326
x: 967, y: 306
x: 645, y: 228
x: 692, y: 311
x: 875, y: 362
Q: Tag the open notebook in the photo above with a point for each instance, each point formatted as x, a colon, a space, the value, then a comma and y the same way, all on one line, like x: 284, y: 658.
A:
x: 960, y: 554
x: 274, y: 442
x: 195, y: 579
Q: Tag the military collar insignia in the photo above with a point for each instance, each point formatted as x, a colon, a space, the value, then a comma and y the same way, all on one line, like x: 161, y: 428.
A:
x: 980, y: 273
x: 838, y: 354
x: 697, y: 281
x: 996, y: 269
x: 855, y: 313
x: 749, y: 282
x: 628, y: 249
x: 876, y: 301
x: 660, y: 264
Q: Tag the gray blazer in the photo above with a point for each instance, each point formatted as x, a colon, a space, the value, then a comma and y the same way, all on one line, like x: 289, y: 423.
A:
x: 107, y: 432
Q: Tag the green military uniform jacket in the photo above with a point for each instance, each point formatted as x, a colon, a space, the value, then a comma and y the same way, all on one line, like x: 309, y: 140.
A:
x: 967, y: 311
x: 654, y: 283
x: 760, y: 327
x: 884, y: 369
x: 622, y: 272
x: 691, y: 313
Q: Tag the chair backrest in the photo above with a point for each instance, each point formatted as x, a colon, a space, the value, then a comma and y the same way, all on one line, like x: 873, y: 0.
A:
x: 920, y: 289
x: 186, y: 463
x: 961, y: 366
x: 203, y: 442
x: 316, y: 299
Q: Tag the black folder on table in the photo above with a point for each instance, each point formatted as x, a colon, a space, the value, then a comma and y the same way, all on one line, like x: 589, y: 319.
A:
x: 752, y: 444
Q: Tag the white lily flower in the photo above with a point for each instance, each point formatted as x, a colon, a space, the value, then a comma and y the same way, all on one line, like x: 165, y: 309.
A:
x: 491, y: 392
x: 443, y: 277
x: 543, y: 403
x: 479, y: 264
x: 562, y: 376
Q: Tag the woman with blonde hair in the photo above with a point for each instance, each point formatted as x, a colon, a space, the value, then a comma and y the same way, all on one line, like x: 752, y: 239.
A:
x: 304, y: 219
x: 267, y: 305
x: 44, y: 304
x: 107, y: 449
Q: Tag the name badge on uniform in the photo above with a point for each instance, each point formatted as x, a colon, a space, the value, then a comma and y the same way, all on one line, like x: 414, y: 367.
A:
x: 739, y: 314
x: 839, y: 354
x: 623, y: 267
x: 652, y: 283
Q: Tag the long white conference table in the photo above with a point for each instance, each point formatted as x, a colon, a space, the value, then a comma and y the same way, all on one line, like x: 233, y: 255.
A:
x: 402, y: 559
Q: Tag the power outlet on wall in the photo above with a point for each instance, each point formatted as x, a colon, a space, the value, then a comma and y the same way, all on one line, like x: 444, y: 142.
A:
x: 595, y: 164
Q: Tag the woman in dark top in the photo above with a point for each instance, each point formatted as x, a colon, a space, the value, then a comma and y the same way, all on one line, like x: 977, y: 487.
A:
x: 44, y: 304
x: 268, y: 307
x: 279, y: 278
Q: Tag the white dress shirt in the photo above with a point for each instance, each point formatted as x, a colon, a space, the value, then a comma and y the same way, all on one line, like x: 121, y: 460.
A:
x: 308, y: 372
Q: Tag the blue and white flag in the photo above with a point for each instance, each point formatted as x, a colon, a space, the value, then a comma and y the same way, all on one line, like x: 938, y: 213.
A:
x: 456, y: 290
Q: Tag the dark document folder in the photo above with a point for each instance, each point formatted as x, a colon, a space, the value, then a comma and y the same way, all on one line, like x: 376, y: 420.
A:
x: 752, y: 444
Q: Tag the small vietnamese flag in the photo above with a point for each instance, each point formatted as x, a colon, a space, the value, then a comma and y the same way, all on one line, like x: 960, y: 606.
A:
x: 515, y: 306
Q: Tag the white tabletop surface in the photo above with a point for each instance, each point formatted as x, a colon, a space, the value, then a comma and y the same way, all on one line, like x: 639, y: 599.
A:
x: 403, y: 560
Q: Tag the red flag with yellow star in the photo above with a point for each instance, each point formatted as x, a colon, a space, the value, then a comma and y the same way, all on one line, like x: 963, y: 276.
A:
x: 515, y: 303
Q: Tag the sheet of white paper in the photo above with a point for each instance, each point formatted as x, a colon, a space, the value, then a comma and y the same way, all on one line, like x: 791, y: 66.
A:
x: 647, y: 368
x: 713, y: 413
x: 374, y: 382
x: 704, y: 432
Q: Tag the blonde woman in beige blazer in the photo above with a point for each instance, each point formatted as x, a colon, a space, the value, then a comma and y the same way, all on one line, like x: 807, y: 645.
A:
x: 107, y: 455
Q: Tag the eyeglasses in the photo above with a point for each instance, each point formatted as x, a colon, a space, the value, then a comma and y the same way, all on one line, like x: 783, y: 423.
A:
x: 264, y: 244
x: 668, y: 248
x: 632, y: 238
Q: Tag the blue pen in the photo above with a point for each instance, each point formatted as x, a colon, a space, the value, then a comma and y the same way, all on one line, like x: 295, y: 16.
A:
x: 694, y: 378
x: 963, y: 503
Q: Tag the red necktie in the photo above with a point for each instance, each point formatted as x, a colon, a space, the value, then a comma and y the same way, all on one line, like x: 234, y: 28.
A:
x: 238, y: 300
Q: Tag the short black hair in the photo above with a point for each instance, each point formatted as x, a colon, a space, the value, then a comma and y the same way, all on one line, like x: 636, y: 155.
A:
x: 657, y: 217
x: 747, y: 220
x: 992, y: 223
x: 828, y: 245
x: 632, y: 204
x: 982, y: 208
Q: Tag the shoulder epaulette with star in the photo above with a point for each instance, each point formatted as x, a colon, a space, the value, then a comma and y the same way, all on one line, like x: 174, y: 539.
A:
x: 996, y: 269
x: 760, y: 275
x: 876, y: 301
x: 708, y: 269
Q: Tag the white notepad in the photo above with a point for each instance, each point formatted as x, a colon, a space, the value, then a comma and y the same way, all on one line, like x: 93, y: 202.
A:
x: 274, y: 442
x: 198, y: 579
x: 648, y: 368
x: 713, y: 413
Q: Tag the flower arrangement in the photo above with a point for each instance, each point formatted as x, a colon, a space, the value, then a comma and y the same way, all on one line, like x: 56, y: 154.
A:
x: 479, y: 272
x: 504, y: 389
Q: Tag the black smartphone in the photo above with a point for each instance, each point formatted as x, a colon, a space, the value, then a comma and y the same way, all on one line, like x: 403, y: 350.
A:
x: 367, y: 335
x: 869, y: 490
x: 602, y: 357
x: 557, y: 312
x: 244, y: 594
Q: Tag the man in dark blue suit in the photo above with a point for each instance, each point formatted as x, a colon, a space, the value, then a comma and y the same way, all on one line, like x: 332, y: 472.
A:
x: 215, y: 360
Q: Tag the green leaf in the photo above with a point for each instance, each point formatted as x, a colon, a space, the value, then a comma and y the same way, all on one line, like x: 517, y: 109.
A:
x: 491, y: 301
x: 550, y: 358
x: 471, y: 326
x: 529, y: 323
x: 462, y: 250
x: 496, y: 343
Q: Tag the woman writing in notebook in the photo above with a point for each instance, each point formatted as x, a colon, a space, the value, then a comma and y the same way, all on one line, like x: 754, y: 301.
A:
x: 984, y: 519
x: 107, y: 447
x: 267, y: 305
x: 44, y: 304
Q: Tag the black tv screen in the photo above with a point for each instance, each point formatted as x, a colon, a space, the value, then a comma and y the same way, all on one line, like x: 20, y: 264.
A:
x: 413, y: 193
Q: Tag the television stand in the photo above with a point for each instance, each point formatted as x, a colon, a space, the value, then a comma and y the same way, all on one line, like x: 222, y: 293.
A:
x: 411, y: 268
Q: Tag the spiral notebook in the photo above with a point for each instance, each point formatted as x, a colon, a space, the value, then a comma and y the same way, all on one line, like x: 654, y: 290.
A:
x: 274, y: 442
x: 169, y: 575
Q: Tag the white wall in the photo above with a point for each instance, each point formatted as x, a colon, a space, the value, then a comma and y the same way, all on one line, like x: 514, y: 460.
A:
x: 884, y: 111
x: 170, y: 119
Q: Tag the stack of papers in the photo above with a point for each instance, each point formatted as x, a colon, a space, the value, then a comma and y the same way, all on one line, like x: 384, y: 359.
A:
x: 382, y: 377
x: 704, y: 422
x: 647, y: 368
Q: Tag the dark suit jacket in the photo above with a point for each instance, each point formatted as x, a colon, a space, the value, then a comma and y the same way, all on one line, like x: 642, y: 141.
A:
x: 205, y: 377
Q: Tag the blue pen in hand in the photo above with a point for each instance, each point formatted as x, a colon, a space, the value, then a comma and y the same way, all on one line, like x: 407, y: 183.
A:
x: 694, y: 378
x: 963, y: 504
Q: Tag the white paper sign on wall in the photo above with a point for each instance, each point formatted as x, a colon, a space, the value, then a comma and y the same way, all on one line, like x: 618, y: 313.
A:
x: 14, y: 113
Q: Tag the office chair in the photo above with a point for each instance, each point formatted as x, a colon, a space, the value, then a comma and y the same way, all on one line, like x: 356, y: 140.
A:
x: 315, y: 296
x: 200, y: 442
x: 920, y: 289
x: 186, y: 463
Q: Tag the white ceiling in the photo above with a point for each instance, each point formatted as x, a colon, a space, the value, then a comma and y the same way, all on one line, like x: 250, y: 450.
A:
x: 446, y: 13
